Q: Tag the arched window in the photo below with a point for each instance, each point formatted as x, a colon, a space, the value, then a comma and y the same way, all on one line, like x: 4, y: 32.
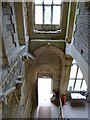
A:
x: 76, y: 81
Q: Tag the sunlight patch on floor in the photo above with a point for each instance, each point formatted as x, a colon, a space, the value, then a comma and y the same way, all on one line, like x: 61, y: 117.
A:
x: 44, y: 91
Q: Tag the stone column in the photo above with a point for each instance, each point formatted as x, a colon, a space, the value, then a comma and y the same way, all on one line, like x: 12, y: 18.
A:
x: 62, y: 80
x: 3, y: 56
x: 19, y: 22
x: 70, y: 23
x: 66, y: 74
x: 29, y: 17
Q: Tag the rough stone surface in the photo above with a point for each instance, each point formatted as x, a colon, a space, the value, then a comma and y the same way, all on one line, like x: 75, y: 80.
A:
x: 49, y: 62
x: 82, y: 31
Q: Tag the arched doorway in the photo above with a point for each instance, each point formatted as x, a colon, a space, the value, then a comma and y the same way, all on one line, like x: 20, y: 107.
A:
x: 42, y: 51
x: 45, y: 75
x: 49, y: 60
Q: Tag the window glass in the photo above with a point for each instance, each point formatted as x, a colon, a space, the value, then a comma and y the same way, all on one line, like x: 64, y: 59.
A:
x: 57, y: 1
x: 38, y: 15
x: 79, y: 75
x: 47, y: 14
x: 56, y: 15
x: 77, y: 85
x: 77, y: 82
x: 73, y: 71
x: 84, y: 86
x: 71, y: 84
x: 38, y: 1
x: 47, y: 1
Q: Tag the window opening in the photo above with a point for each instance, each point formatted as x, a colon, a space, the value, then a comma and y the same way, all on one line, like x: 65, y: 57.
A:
x: 48, y: 12
x: 76, y: 81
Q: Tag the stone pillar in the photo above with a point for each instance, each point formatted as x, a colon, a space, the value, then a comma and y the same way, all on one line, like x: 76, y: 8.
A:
x: 27, y: 89
x: 70, y: 23
x: 29, y: 17
x: 34, y: 86
x: 3, y: 56
x: 62, y: 79
x: 66, y: 74
x: 19, y: 22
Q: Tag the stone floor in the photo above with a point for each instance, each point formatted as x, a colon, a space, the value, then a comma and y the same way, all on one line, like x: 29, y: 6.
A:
x: 69, y: 112
x: 54, y: 110
x: 75, y: 112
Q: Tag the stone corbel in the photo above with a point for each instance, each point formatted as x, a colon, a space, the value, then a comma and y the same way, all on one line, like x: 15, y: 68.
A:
x: 18, y: 82
x: 19, y: 77
x: 28, y: 55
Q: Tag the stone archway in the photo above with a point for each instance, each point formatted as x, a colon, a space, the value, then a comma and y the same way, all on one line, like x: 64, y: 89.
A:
x: 61, y: 55
x: 40, y: 52
x: 45, y: 66
x: 51, y: 71
x: 59, y: 52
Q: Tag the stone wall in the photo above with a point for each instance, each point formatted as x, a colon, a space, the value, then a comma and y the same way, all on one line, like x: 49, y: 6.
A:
x: 18, y: 102
x: 9, y: 77
x: 79, y: 47
x: 9, y: 27
x: 16, y: 93
x: 82, y: 30
x: 25, y: 105
x: 51, y: 59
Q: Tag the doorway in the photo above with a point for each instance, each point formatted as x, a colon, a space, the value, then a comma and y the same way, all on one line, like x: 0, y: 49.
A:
x: 44, y: 91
